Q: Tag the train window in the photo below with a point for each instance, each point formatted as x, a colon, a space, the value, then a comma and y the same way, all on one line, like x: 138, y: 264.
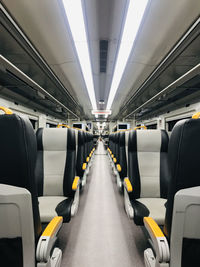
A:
x: 172, y: 123
x: 122, y: 126
x: 152, y: 126
x: 77, y: 125
x: 51, y: 125
x: 33, y: 122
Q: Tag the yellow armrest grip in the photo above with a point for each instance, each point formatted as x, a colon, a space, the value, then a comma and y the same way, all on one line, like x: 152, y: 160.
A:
x: 84, y: 166
x: 115, y: 160
x: 128, y: 185
x: 87, y: 159
x: 75, y: 183
x: 153, y: 226
x: 196, y: 115
x: 6, y: 110
x: 119, y: 168
x: 52, y: 226
x: 112, y: 156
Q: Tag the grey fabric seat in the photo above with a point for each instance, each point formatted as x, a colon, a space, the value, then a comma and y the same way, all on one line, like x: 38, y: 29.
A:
x: 148, y: 175
x: 56, y: 173
x: 22, y: 242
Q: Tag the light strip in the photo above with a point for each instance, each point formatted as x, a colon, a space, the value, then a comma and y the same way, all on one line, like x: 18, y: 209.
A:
x: 134, y: 16
x: 74, y: 13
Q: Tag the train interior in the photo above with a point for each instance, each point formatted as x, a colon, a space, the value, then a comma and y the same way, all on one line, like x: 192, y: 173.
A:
x: 99, y: 133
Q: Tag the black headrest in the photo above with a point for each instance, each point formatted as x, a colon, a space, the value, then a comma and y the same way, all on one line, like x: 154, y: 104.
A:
x: 184, y: 161
x: 18, y: 157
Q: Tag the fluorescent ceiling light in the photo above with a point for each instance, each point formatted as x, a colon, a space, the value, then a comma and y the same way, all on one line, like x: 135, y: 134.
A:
x: 134, y: 16
x: 74, y: 13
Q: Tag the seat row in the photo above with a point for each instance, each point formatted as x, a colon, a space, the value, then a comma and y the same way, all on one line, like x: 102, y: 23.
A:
x: 161, y: 185
x: 40, y: 179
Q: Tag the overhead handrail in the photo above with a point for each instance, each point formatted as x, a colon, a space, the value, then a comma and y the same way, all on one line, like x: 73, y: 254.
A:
x: 139, y: 127
x: 6, y: 110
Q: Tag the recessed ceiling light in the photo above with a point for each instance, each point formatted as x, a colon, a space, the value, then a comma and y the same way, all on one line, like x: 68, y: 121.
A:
x: 74, y: 13
x: 133, y: 20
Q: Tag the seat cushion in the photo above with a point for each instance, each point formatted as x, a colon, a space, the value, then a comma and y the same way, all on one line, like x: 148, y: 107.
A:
x: 156, y: 207
x: 51, y: 206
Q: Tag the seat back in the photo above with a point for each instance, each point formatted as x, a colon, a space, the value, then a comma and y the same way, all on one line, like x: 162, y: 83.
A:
x: 147, y: 163
x: 56, y: 161
x: 80, y: 153
x: 184, y: 158
x: 17, y: 162
x: 85, y: 145
x: 122, y: 152
x: 117, y: 146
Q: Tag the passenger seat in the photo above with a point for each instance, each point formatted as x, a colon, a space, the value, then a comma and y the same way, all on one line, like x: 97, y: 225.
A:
x: 22, y: 242
x: 58, y: 185
x: 145, y: 188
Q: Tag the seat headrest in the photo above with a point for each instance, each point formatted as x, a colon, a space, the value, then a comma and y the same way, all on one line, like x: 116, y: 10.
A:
x: 148, y: 141
x: 184, y: 154
x: 56, y: 139
x: 18, y: 151
x: 18, y: 158
x: 184, y: 162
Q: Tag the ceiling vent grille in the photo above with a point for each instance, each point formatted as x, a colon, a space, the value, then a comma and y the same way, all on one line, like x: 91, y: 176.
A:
x: 103, y: 53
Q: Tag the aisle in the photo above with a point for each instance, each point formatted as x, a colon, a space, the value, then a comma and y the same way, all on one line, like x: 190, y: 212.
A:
x: 101, y: 235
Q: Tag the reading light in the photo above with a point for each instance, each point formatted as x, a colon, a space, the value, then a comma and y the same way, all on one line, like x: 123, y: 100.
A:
x: 74, y: 13
x: 134, y: 16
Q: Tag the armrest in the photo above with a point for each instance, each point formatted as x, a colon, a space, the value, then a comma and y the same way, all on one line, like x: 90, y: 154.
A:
x: 115, y: 160
x: 47, y: 239
x: 87, y: 159
x: 128, y: 185
x: 119, y: 168
x: 160, y: 243
x: 76, y: 183
x: 84, y: 166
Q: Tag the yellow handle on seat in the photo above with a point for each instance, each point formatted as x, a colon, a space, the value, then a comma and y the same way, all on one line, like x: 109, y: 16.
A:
x: 153, y: 226
x: 119, y: 168
x: 6, y: 110
x: 53, y: 226
x: 115, y: 160
x: 196, y: 115
x: 84, y: 166
x: 128, y: 185
x: 87, y: 159
x: 60, y: 125
x: 75, y: 183
x: 139, y: 127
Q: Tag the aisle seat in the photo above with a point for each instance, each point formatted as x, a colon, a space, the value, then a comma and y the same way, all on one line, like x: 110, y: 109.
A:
x: 58, y: 185
x: 123, y: 151
x: 79, y: 153
x: 145, y: 189
x: 179, y: 245
x: 20, y: 226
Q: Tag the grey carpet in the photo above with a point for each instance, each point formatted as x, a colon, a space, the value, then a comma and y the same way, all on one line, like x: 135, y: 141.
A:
x: 101, y: 235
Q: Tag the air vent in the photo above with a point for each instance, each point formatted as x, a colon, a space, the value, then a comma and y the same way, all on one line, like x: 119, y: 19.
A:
x: 103, y: 53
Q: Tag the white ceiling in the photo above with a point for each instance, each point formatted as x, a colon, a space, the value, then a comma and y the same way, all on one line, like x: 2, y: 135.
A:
x: 45, y: 24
